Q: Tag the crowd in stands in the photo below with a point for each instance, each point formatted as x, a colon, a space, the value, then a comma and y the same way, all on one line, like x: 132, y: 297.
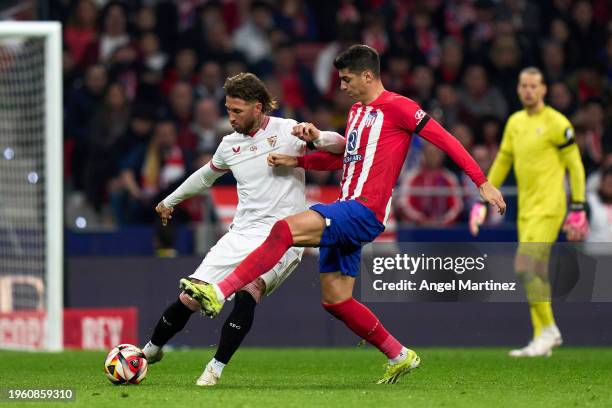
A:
x: 144, y: 103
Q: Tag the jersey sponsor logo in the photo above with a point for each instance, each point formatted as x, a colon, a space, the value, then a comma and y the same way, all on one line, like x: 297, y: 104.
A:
x: 419, y: 115
x: 351, y: 143
x: 569, y: 134
x: 539, y: 131
x: 253, y: 148
x: 371, y: 119
x: 271, y: 140
x: 236, y: 149
x: 352, y: 158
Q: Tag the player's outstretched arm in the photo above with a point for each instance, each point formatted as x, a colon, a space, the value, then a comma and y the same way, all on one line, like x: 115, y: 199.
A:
x: 320, y: 160
x: 197, y: 182
x: 329, y: 141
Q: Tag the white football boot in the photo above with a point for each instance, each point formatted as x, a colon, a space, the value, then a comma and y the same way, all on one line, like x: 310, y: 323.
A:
x: 549, y: 338
x: 209, y: 377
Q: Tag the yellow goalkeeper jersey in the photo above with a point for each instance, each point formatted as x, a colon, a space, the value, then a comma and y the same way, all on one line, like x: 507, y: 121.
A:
x: 541, y: 147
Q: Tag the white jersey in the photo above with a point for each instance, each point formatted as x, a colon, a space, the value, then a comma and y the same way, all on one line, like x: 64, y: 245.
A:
x: 265, y: 194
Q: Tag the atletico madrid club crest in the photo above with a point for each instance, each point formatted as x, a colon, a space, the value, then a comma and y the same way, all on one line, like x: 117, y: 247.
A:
x: 371, y: 119
x: 271, y: 140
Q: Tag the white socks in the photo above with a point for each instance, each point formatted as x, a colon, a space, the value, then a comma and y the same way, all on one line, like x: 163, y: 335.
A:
x: 217, y: 366
x: 400, y: 357
x: 150, y: 349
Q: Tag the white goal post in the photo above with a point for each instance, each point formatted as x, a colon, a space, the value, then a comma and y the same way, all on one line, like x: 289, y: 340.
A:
x: 29, y: 126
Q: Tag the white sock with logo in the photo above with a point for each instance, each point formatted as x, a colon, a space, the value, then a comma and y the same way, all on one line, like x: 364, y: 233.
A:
x: 217, y: 366
x: 150, y: 349
x: 400, y: 357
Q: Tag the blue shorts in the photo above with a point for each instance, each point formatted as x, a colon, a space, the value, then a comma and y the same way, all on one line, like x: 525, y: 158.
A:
x: 349, y: 224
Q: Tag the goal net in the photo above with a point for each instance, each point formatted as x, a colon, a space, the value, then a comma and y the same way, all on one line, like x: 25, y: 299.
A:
x: 31, y: 189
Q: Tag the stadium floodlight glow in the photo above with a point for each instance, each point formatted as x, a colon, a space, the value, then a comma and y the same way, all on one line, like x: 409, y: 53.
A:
x: 31, y: 212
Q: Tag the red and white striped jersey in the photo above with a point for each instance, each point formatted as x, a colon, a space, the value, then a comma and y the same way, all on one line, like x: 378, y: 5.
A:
x: 378, y: 136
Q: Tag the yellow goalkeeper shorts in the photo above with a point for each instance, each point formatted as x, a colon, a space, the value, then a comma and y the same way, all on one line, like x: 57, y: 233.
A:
x: 536, y: 235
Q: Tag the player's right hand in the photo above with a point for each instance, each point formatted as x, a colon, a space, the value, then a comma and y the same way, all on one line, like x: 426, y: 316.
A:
x: 478, y: 214
x: 277, y: 159
x: 306, y: 132
x: 164, y: 212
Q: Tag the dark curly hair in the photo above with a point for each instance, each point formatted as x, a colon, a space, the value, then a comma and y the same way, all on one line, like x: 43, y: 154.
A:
x: 248, y: 87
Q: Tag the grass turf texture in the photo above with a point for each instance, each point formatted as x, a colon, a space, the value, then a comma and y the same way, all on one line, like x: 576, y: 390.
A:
x: 325, y: 377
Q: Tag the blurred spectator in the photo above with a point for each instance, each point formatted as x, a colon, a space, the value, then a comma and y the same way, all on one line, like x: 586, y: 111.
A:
x: 146, y: 20
x: 594, y: 179
x: 591, y: 118
x: 450, y: 69
x: 205, y: 125
x: 422, y: 85
x: 180, y: 111
x: 148, y: 172
x: 251, y: 38
x: 561, y: 98
x: 81, y: 105
x: 482, y: 28
x: 466, y: 137
x: 586, y: 33
x: 479, y: 98
x: 183, y: 69
x: 430, y: 195
x: 108, y: 125
x: 153, y: 61
x: 296, y: 19
x: 490, y: 133
x: 553, y: 62
x: 445, y: 107
x: 398, y: 77
x: 425, y: 37
x: 374, y: 34
x: 324, y: 74
x: 80, y: 30
x: 506, y: 63
x: 600, y: 204
x: 210, y: 83
x: 113, y: 36
x: 296, y: 84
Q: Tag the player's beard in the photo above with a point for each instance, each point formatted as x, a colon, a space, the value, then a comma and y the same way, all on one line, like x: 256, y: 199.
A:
x: 247, y: 128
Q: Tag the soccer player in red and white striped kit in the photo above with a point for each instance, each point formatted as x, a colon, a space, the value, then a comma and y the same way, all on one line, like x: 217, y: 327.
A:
x: 379, y: 130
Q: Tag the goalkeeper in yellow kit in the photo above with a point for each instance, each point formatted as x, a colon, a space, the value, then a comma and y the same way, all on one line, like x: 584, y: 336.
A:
x: 539, y: 142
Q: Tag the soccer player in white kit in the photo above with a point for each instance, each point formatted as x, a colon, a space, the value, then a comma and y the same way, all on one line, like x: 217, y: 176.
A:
x: 265, y: 195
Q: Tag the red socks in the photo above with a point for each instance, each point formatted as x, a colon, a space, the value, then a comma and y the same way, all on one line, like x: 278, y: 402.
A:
x: 260, y: 260
x: 366, y: 325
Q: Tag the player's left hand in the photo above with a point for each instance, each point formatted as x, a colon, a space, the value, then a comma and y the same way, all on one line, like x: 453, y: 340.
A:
x: 492, y: 196
x: 576, y: 226
x: 164, y: 213
x: 277, y: 159
x: 306, y: 132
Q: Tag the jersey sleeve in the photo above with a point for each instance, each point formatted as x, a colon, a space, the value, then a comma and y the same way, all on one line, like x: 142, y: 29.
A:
x: 321, y: 160
x: 504, y: 159
x: 563, y: 134
x: 411, y: 117
x: 218, y: 162
x: 564, y: 139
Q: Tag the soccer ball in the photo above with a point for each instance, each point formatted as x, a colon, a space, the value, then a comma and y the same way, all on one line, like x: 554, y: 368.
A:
x: 125, y: 364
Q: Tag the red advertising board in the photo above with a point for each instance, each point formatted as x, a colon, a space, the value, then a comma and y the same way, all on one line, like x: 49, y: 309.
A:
x: 88, y: 329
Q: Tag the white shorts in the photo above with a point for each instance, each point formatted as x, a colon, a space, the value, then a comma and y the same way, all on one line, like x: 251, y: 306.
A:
x: 231, y: 250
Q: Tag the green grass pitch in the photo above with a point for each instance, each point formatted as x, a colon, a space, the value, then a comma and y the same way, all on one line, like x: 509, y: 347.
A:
x: 326, y: 377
